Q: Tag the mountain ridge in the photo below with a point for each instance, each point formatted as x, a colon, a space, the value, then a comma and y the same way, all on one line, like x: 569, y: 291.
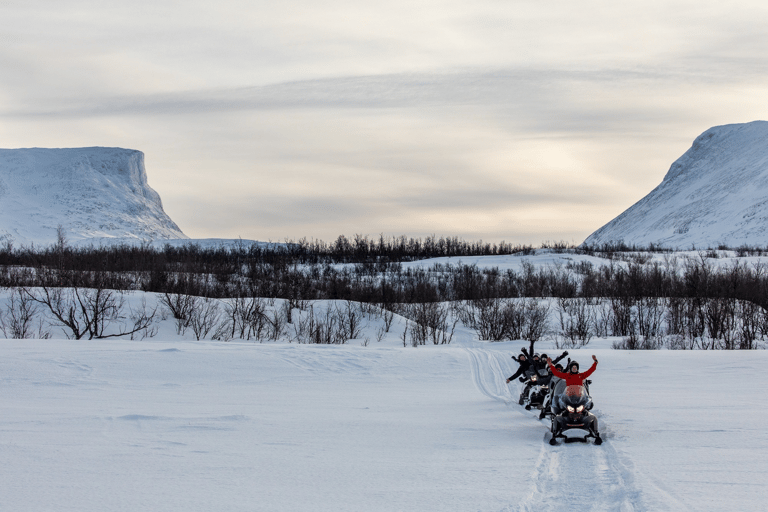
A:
x: 715, y: 194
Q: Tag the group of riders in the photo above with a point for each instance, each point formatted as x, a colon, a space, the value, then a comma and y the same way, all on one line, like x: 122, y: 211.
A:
x: 561, y: 392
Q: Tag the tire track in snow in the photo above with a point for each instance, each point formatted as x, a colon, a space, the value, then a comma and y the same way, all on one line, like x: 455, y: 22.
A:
x: 580, y: 478
x: 572, y: 477
x: 487, y: 374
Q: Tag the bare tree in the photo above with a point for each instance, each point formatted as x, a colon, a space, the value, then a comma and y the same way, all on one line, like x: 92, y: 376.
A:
x: 88, y: 312
x: 535, y: 320
x: 430, y: 323
x: 18, y: 320
x: 180, y: 307
x: 576, y: 322
x: 204, y: 317
x: 351, y: 320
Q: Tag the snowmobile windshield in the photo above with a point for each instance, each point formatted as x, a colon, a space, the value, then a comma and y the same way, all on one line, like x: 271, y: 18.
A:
x: 575, y: 395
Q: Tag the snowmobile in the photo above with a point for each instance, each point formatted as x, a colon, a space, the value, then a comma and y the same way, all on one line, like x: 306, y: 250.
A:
x: 571, y: 419
x: 557, y: 388
x: 536, y: 389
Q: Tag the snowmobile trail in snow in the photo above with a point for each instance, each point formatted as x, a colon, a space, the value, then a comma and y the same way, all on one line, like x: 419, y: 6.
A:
x: 487, y: 374
x: 581, y: 477
x: 574, y: 476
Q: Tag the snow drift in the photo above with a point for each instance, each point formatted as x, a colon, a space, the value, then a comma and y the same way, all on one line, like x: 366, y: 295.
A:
x: 93, y: 193
x: 715, y: 194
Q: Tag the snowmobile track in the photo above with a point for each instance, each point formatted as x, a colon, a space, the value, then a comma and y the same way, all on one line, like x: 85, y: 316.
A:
x: 575, y: 476
x: 488, y: 374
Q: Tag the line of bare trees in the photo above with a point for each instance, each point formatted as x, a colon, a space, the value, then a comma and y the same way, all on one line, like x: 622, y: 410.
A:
x: 686, y: 302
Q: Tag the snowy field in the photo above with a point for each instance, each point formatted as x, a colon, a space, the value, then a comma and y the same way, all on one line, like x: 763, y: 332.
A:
x: 188, y: 425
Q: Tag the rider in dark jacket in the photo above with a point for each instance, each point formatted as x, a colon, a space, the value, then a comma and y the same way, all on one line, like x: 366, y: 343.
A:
x: 524, y: 363
x: 529, y: 359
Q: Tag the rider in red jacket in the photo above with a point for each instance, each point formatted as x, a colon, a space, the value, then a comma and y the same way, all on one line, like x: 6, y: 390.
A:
x: 573, y: 377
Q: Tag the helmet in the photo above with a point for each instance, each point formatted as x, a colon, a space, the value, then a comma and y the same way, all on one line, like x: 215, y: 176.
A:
x: 571, y: 365
x: 536, y: 356
x: 544, y: 356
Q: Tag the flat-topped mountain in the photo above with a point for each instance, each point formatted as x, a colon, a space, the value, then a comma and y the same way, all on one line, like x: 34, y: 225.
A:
x: 92, y: 193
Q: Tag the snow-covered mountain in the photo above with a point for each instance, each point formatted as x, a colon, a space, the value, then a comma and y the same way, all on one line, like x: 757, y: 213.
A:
x: 93, y: 193
x: 716, y: 193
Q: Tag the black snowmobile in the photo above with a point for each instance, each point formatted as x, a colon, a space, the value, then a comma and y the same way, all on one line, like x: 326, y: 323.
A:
x: 536, y: 390
x: 557, y: 388
x: 571, y: 419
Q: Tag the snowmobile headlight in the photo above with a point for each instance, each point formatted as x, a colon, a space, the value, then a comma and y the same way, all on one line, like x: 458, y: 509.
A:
x: 571, y: 409
x: 580, y: 408
x: 534, y: 378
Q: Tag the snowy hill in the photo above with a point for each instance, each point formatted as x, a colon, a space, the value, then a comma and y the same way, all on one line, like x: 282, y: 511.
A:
x: 716, y: 193
x: 93, y: 193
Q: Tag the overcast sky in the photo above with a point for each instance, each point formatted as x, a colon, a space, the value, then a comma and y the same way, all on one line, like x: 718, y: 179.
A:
x: 523, y: 121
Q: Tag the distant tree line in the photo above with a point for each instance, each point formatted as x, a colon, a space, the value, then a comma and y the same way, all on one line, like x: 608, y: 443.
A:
x: 365, y: 270
x: 635, y: 296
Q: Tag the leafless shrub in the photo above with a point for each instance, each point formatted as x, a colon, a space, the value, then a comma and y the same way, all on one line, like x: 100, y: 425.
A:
x: 430, y: 323
x: 602, y: 319
x: 143, y: 321
x: 380, y: 334
x: 678, y: 342
x: 719, y: 318
x: 350, y: 320
x: 89, y: 312
x: 204, y: 317
x: 622, y: 322
x: 535, y: 315
x: 18, y: 319
x: 675, y: 316
x: 388, y: 316
x: 245, y: 318
x: 750, y: 314
x: 635, y: 342
x: 329, y: 328
x: 650, y: 316
x: 492, y: 319
x: 576, y: 322
x: 500, y: 319
x: 276, y: 326
x: 180, y: 306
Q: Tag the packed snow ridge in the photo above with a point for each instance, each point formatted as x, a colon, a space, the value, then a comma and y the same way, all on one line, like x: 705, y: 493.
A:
x: 715, y: 194
x: 93, y: 193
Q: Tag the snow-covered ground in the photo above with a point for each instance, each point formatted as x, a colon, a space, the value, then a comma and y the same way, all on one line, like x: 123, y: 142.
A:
x: 188, y: 425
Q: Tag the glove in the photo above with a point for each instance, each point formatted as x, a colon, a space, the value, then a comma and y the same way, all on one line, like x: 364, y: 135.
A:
x: 565, y: 353
x: 521, y: 379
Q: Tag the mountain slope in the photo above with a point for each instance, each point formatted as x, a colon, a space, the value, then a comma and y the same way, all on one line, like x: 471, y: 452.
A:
x: 93, y: 193
x: 716, y: 193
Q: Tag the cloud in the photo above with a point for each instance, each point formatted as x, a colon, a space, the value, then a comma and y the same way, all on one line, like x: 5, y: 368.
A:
x: 483, y: 119
x: 546, y: 90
